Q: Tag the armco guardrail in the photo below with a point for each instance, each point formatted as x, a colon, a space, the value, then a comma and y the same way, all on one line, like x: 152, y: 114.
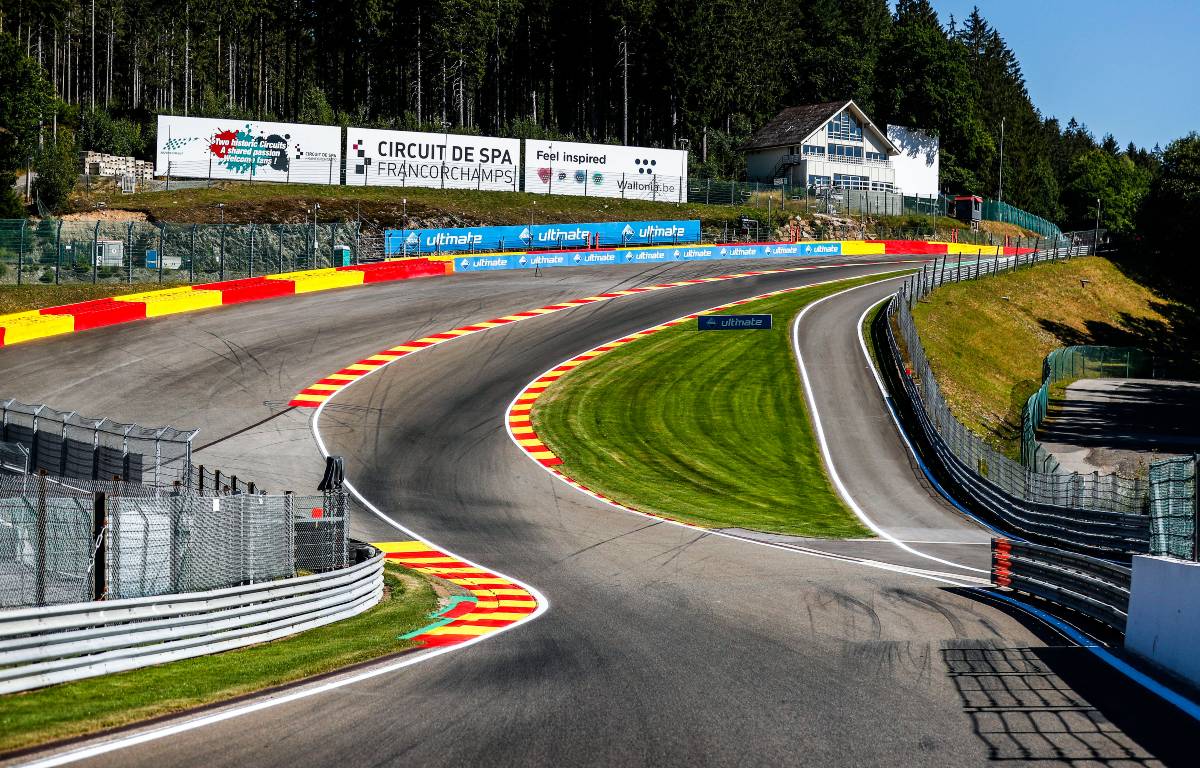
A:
x: 1096, y: 588
x: 44, y: 646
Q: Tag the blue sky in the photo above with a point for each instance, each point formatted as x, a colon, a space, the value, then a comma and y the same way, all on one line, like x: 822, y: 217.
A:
x: 1126, y: 67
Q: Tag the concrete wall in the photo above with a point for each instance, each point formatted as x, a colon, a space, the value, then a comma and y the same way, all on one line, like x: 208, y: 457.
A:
x: 917, y: 165
x: 761, y: 164
x: 1164, y: 615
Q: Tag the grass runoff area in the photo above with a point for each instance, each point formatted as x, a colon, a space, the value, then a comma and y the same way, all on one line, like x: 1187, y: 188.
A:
x: 986, y: 339
x: 710, y: 428
x: 21, y: 298
x: 88, y: 706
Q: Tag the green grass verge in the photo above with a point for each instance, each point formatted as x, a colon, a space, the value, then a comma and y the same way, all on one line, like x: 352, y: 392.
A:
x: 21, y: 298
x: 708, y: 428
x: 87, y: 706
x: 986, y: 339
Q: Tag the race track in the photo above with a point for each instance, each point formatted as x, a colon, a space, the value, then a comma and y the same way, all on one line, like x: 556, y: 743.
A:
x: 662, y: 645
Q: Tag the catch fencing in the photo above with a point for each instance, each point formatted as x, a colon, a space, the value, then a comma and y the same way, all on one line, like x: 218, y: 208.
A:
x: 70, y: 445
x: 1070, y: 364
x: 1173, y: 508
x: 53, y: 251
x: 67, y: 541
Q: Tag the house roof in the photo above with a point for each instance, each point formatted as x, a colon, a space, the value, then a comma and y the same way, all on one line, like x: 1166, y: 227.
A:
x: 795, y: 124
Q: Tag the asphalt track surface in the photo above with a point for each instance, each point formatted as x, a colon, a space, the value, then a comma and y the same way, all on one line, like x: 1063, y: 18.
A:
x: 662, y: 645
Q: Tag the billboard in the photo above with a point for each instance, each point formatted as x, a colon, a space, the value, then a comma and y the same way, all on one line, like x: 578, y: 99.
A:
x: 659, y: 255
x: 538, y: 236
x: 917, y: 164
x: 248, y: 150
x: 605, y: 170
x: 442, y: 160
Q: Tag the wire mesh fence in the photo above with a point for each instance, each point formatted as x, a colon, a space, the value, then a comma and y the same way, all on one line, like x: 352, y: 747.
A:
x: 64, y: 540
x: 1173, y: 498
x: 1070, y: 364
x: 1108, y: 493
x: 71, y: 445
x: 53, y: 251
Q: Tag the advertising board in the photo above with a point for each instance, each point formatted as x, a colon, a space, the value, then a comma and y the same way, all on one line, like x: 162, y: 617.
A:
x: 538, y: 236
x: 605, y: 170
x: 657, y: 255
x: 441, y: 160
x: 248, y: 150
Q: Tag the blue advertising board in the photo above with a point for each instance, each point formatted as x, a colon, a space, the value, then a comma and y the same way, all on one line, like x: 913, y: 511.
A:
x: 537, y: 237
x: 733, y: 322
x: 660, y: 255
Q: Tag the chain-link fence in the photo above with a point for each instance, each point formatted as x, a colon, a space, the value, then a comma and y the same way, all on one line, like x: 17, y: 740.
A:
x: 52, y: 251
x: 1173, y: 500
x: 1070, y: 364
x: 1109, y: 493
x: 66, y: 541
x: 71, y: 445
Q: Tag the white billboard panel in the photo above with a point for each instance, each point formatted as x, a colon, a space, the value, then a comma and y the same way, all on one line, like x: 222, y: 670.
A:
x: 605, y: 170
x: 917, y: 165
x: 248, y: 150
x: 450, y: 161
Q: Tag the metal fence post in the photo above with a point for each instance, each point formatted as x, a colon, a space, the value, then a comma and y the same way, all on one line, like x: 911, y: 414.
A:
x: 21, y: 252
x: 58, y: 252
x: 95, y: 251
x: 221, y: 263
x: 161, y: 228
x: 1196, y: 508
x: 40, y: 566
x: 251, y: 250
x: 129, y: 251
x: 100, y: 556
x: 177, y: 501
x: 192, y: 257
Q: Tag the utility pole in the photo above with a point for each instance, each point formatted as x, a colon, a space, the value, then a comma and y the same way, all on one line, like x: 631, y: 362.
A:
x: 1000, y: 187
x: 625, y: 84
x: 92, y: 82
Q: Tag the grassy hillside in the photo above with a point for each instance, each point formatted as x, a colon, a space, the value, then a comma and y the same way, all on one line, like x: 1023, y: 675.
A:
x: 986, y: 339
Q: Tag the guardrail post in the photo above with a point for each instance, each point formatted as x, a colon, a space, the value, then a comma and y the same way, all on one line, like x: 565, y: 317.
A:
x: 100, y: 557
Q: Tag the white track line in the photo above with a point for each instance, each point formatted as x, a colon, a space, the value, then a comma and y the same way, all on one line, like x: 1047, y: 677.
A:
x: 843, y: 491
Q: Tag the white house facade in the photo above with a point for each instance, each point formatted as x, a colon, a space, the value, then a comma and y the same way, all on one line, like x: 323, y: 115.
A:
x: 823, y: 145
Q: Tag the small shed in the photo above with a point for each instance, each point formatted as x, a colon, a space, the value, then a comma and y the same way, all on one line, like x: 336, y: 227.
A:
x: 969, y: 208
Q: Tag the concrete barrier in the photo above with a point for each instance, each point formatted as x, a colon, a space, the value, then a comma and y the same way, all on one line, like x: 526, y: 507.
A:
x: 1164, y: 615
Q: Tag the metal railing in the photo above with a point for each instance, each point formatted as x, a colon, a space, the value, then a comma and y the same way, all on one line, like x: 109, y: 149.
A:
x: 44, y: 646
x: 1096, y: 588
x: 53, y: 251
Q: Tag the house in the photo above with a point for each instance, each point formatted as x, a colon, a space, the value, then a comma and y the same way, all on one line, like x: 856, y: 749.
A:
x: 825, y: 145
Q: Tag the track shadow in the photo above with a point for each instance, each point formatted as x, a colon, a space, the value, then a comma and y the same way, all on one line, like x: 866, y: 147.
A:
x: 1129, y: 414
x: 1062, y: 705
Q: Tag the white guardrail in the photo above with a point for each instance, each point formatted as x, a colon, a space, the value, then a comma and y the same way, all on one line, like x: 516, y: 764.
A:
x: 55, y: 644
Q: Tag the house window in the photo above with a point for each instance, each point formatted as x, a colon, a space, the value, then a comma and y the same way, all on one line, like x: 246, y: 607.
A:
x: 809, y: 149
x: 848, y: 181
x: 845, y: 151
x: 819, y: 182
x: 883, y: 186
x: 844, y: 126
x: 878, y: 157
